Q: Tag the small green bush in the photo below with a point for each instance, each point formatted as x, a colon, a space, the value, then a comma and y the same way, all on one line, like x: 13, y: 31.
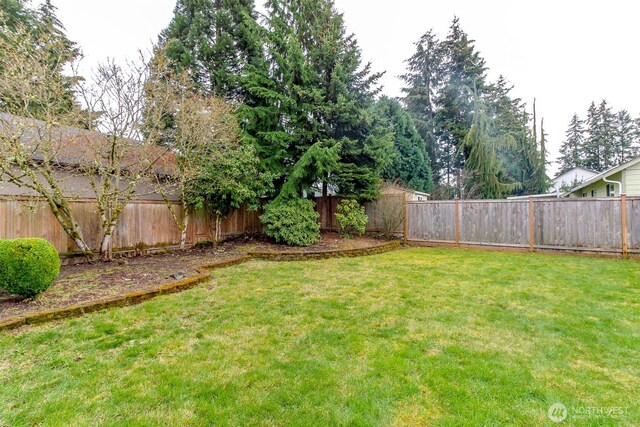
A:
x: 294, y: 222
x: 352, y: 218
x: 27, y: 266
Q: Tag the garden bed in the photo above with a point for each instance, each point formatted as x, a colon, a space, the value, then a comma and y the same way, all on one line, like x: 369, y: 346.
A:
x: 79, y: 285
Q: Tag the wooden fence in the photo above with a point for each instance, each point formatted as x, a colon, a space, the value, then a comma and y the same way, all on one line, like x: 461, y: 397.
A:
x: 379, y: 211
x: 142, y: 224
x: 610, y: 225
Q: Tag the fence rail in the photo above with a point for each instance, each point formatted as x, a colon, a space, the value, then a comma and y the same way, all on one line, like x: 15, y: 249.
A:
x: 609, y: 225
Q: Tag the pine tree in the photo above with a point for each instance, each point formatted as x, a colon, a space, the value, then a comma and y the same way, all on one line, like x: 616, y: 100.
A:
x: 571, y: 149
x: 411, y: 165
x: 606, y: 135
x: 591, y: 147
x: 423, y: 79
x: 323, y: 94
x: 624, y: 147
x: 215, y: 40
x: 464, y: 74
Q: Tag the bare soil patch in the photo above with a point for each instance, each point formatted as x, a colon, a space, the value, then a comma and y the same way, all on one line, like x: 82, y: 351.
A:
x: 91, y: 282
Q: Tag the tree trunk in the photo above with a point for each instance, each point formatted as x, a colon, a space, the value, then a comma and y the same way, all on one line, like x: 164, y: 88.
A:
x: 183, y: 231
x: 327, y: 205
x: 218, y: 233
x: 105, y: 248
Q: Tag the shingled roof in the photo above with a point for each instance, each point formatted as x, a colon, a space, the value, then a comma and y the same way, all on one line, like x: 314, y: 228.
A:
x: 71, y: 146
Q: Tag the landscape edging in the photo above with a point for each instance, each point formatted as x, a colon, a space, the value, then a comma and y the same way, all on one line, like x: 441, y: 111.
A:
x: 309, y: 256
x: 204, y: 271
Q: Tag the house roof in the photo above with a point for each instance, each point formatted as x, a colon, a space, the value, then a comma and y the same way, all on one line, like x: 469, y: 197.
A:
x: 573, y: 170
x: 72, y: 146
x: 605, y: 174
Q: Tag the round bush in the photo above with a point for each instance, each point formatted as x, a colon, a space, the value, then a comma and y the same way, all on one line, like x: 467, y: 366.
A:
x: 352, y: 218
x: 294, y: 222
x: 27, y: 266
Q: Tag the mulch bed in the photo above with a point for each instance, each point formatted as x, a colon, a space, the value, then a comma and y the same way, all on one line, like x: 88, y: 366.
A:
x: 83, y: 283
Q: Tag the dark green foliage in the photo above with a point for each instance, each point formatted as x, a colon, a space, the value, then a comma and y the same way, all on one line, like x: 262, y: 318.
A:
x: 318, y: 92
x: 226, y: 181
x: 214, y: 40
x: 482, y: 145
x: 27, y: 266
x: 410, y: 162
x: 571, y: 148
x: 423, y: 79
x: 351, y: 217
x: 624, y: 138
x: 444, y: 82
x: 464, y: 72
x: 604, y: 140
x: 293, y: 221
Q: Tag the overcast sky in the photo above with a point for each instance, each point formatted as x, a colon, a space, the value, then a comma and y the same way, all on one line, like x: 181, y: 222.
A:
x: 566, y: 53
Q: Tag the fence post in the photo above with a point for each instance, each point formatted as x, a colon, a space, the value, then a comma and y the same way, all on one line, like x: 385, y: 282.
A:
x: 457, y: 222
x: 406, y: 218
x: 532, y: 234
x: 623, y: 227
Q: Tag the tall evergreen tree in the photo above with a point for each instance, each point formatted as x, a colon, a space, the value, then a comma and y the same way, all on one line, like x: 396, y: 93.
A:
x: 423, y: 78
x: 624, y: 147
x: 323, y: 94
x: 571, y: 149
x: 486, y: 171
x: 464, y: 74
x: 215, y: 40
x: 410, y: 164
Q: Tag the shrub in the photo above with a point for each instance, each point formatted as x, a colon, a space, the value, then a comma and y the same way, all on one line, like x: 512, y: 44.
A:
x: 27, y: 266
x: 352, y: 218
x: 293, y: 221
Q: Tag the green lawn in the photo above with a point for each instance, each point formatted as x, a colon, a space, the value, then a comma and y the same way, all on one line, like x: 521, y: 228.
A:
x: 412, y: 337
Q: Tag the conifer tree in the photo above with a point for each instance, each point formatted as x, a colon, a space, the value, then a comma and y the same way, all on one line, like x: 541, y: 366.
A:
x: 323, y: 94
x: 482, y: 145
x: 215, y: 40
x: 571, y: 149
x: 624, y: 147
x: 423, y: 78
x: 464, y: 74
x: 410, y: 164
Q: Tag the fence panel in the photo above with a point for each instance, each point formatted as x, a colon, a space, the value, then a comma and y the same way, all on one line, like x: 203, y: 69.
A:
x: 578, y: 223
x: 431, y: 221
x: 141, y: 223
x: 494, y: 222
x: 633, y: 224
x: 562, y: 224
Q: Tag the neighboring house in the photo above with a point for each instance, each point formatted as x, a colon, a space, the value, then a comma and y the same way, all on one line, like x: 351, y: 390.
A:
x: 77, y: 147
x: 412, y: 195
x: 607, y: 183
x: 571, y: 178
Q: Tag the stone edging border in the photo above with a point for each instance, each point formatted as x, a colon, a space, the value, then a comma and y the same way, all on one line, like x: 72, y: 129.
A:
x: 307, y: 256
x: 204, y: 271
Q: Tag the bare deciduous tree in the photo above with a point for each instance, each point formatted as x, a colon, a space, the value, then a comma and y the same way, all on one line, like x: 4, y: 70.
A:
x: 124, y: 159
x: 389, y: 208
x: 32, y: 150
x: 42, y: 148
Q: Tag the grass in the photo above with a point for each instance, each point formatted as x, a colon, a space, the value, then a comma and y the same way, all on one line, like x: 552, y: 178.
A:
x: 413, y: 337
